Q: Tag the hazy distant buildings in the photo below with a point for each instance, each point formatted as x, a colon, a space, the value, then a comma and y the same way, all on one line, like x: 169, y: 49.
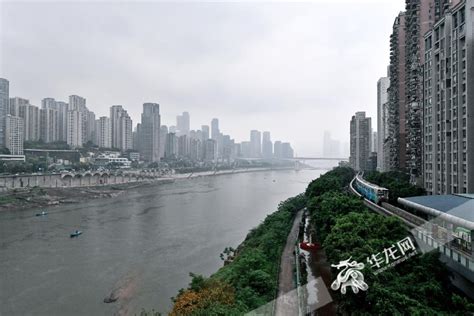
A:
x: 267, y: 146
x: 205, y: 132
x: 286, y: 150
x: 277, y: 150
x: 163, y: 133
x: 382, y: 104
x: 14, y: 134
x: 256, y: 144
x: 150, y: 133
x: 73, y: 123
x: 215, y: 129
x: 183, y: 123
x: 360, y: 129
x: 209, y: 150
x: 183, y: 145
x: 331, y: 147
x: 4, y: 101
x: 171, y: 147
x: 448, y: 126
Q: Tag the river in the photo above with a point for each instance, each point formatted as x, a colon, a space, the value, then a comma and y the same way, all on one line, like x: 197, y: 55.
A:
x: 141, y: 244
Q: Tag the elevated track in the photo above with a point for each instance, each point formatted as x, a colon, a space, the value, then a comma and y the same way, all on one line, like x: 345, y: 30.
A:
x: 421, y: 230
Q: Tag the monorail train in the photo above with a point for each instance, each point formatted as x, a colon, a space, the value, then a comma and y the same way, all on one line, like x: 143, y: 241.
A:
x: 370, y: 191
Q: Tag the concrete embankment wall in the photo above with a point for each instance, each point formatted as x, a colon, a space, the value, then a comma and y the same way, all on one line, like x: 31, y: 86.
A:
x: 70, y: 180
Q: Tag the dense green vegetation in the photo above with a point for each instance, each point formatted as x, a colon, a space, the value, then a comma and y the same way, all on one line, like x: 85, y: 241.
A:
x: 42, y: 145
x: 251, y: 278
x: 398, y: 184
x: 29, y: 166
x: 419, y: 286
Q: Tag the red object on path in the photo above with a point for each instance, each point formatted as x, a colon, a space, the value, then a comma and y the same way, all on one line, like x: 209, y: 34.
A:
x: 309, y: 245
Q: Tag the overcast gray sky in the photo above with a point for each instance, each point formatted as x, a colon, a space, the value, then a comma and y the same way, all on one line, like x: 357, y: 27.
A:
x: 295, y: 69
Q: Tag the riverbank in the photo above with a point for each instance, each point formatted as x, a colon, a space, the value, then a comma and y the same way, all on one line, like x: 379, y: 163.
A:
x: 223, y: 172
x: 40, y: 198
x: 44, y: 197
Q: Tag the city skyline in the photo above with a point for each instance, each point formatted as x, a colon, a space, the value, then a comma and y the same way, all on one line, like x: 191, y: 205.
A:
x: 74, y: 124
x: 114, y: 110
x: 243, y: 80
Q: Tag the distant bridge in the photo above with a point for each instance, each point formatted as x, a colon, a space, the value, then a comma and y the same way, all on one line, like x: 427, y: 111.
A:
x: 294, y: 159
x: 318, y: 158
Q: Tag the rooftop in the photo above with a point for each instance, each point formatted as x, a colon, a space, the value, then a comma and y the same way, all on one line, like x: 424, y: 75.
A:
x: 459, y: 205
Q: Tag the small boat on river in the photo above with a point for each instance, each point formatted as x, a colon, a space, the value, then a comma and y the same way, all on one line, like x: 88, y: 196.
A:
x: 76, y: 233
x: 43, y: 213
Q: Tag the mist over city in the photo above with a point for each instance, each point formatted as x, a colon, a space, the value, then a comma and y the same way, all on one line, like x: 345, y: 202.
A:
x: 276, y: 158
x: 252, y: 65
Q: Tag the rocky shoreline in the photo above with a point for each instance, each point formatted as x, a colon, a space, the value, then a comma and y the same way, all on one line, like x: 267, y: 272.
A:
x: 27, y: 198
x: 36, y: 197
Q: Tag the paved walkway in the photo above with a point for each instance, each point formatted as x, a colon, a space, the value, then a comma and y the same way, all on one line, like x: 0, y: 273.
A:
x: 287, y: 301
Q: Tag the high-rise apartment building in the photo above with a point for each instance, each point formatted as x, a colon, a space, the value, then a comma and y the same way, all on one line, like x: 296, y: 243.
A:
x: 205, y: 132
x: 215, y: 129
x: 183, y: 146
x: 49, y: 121
x: 122, y: 128
x: 150, y: 132
x: 256, y: 143
x: 286, y: 150
x: 115, y: 115
x: 331, y: 147
x: 31, y: 121
x: 4, y: 105
x: 267, y: 146
x: 360, y: 129
x: 62, y: 108
x: 394, y: 146
x: 448, y: 107
x: 103, y: 132
x: 420, y: 17
x: 382, y: 99
x: 14, y: 134
x: 75, y: 121
x: 163, y: 133
x: 171, y: 146
x: 15, y: 104
x: 91, y: 131
x: 277, y: 150
x: 74, y: 128
x: 183, y: 124
x: 209, y: 150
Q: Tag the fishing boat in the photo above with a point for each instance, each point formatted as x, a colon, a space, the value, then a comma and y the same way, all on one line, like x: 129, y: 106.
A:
x: 43, y: 213
x: 76, y: 233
